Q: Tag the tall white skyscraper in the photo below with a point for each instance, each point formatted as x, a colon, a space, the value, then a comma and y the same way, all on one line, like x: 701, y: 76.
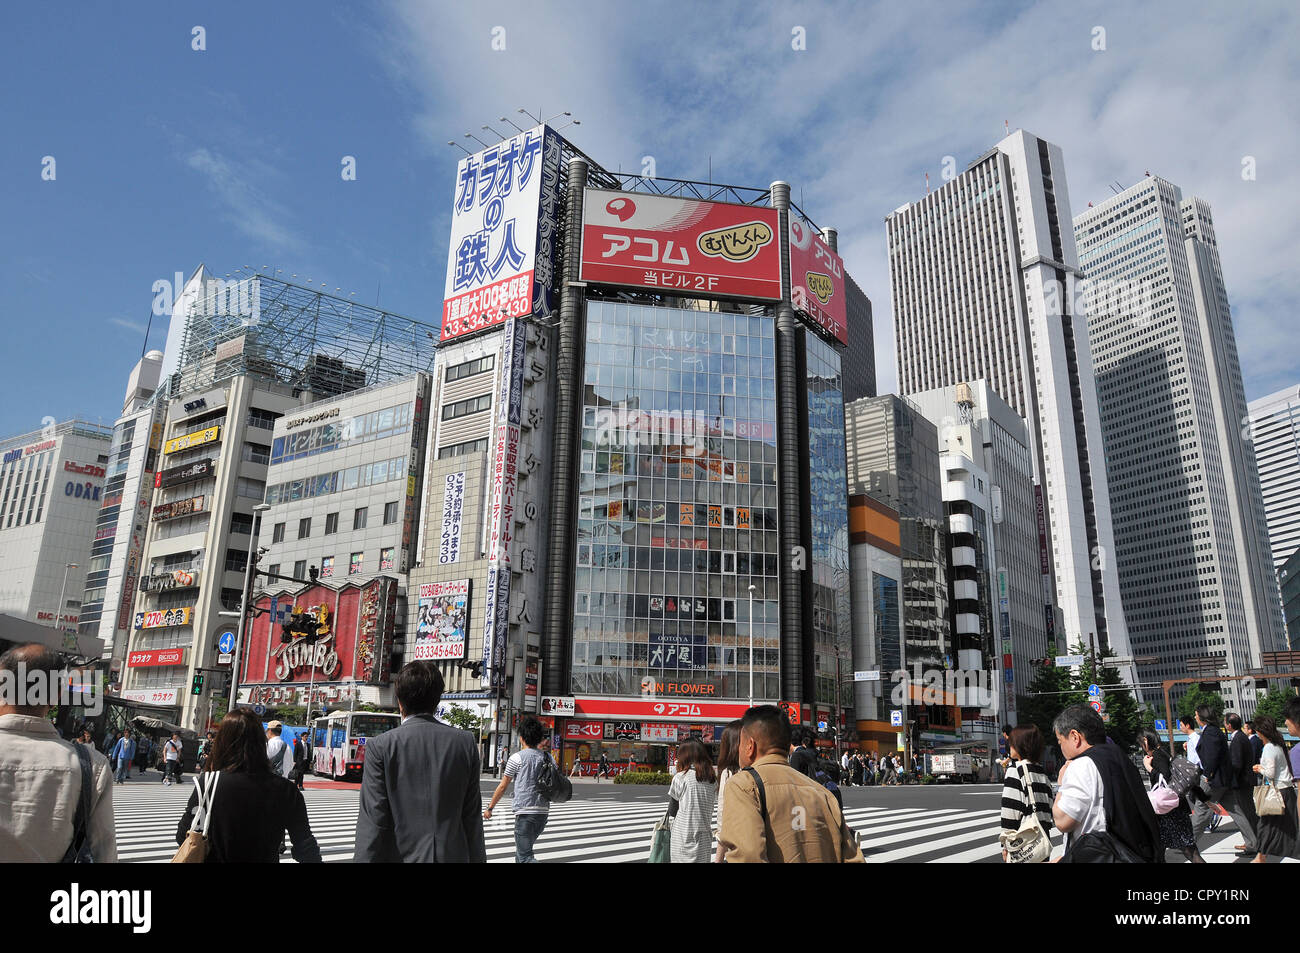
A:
x: 981, y: 272
x: 1188, y: 521
x: 1275, y: 434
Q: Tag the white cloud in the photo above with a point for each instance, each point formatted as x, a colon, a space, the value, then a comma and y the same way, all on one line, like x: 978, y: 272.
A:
x: 247, y: 206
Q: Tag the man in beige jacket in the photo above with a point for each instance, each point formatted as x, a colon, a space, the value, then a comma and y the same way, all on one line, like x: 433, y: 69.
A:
x: 40, y: 773
x: 782, y: 816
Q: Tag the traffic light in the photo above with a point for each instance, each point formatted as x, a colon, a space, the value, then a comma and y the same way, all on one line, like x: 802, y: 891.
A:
x: 197, y: 687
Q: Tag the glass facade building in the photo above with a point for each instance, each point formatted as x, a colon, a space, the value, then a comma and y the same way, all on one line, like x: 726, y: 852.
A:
x: 677, y: 502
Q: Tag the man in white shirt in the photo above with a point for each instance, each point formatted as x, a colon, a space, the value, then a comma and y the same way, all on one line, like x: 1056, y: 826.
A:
x: 1078, y: 808
x: 278, y: 751
x: 1202, y: 810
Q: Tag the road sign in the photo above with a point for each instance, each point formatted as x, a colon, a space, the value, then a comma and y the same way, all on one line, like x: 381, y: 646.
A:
x: 1067, y: 661
x: 226, y: 643
x: 821, y: 726
x: 1096, y: 705
x: 1094, y: 691
x: 896, y: 718
x: 259, y: 709
x: 872, y: 676
x: 225, y: 658
x: 1160, y: 724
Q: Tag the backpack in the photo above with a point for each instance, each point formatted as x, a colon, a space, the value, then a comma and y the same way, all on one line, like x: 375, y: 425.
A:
x: 1183, y: 776
x: 551, y: 782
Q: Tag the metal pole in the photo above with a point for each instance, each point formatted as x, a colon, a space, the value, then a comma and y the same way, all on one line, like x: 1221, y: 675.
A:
x: 1169, y: 721
x: 243, y: 603
x: 58, y: 610
x: 751, y: 645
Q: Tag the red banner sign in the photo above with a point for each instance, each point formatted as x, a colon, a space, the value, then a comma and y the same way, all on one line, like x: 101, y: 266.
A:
x: 156, y: 657
x: 584, y: 730
x: 817, y: 281
x: 681, y: 246
x: 656, y: 710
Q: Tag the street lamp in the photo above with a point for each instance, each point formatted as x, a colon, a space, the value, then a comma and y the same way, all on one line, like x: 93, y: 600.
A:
x: 482, y: 717
x: 258, y: 510
x: 752, y: 587
x: 58, y: 610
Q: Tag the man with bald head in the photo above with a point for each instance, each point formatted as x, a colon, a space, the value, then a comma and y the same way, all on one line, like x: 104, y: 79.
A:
x: 774, y: 814
x: 57, y: 797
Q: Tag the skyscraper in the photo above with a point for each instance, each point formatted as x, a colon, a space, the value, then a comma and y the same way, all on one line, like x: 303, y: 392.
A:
x: 981, y: 271
x: 1275, y: 435
x: 1188, y: 520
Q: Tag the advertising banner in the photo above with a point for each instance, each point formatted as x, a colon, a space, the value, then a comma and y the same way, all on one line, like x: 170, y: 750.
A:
x: 453, y: 505
x: 560, y: 705
x: 680, y: 246
x: 817, y: 281
x: 195, y: 439
x: 501, y: 257
x: 162, y: 618
x: 443, y: 621
x: 177, y: 508
x: 658, y: 731
x: 658, y: 710
x: 156, y: 657
x: 184, y: 474
x: 584, y: 730
x: 152, y: 696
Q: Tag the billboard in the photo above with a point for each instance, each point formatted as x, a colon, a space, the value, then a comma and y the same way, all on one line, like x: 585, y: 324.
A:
x: 501, y: 257
x: 183, y: 474
x: 817, y: 281
x: 453, y: 506
x: 196, y: 439
x: 443, y: 620
x: 680, y: 246
x: 164, y: 618
x: 177, y: 508
x: 156, y: 657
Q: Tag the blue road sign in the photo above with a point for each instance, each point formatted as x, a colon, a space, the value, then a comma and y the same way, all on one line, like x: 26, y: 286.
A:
x: 226, y: 644
x: 1094, y: 691
x: 896, y: 719
x: 821, y: 726
x: 259, y: 709
x: 1160, y: 725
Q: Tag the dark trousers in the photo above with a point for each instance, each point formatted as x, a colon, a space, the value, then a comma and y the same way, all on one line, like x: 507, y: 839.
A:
x: 528, y: 827
x: 1240, y: 803
x: 173, y: 771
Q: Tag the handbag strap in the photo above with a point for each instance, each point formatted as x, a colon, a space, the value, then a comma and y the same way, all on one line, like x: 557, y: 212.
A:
x: 82, y: 818
x: 762, y: 791
x: 203, y: 811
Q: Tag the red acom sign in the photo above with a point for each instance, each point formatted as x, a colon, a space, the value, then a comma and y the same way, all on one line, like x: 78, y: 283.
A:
x: 817, y: 280
x: 680, y: 246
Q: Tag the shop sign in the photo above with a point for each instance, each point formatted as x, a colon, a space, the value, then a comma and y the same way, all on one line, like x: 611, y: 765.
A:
x: 658, y: 710
x: 162, y: 618
x: 183, y: 474
x: 152, y: 696
x: 177, y: 509
x: 817, y: 281
x: 196, y: 439
x: 156, y: 657
x: 584, y: 730
x: 658, y: 731
x: 623, y: 730
x: 562, y: 706
x: 443, y: 620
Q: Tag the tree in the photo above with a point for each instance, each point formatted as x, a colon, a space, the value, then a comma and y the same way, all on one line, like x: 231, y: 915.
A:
x: 1043, y: 700
x: 1124, y: 720
x: 1194, y: 698
x: 1272, y: 703
x: 459, y: 717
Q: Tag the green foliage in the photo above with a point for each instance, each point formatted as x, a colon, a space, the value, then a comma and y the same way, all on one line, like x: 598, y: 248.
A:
x: 1042, y: 703
x: 289, y: 715
x: 459, y: 717
x: 1272, y: 702
x: 1055, y: 689
x: 927, y: 779
x: 1197, y: 696
x: 644, y: 777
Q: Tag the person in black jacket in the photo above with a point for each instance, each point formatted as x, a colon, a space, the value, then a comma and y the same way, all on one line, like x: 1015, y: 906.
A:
x: 1240, y: 801
x: 251, y: 806
x: 803, y: 758
x: 1176, y: 826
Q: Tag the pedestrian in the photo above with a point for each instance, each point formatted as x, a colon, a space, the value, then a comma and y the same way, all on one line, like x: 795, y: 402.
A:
x: 1275, y: 834
x: 172, y: 759
x: 205, y: 748
x: 420, y: 800
x: 602, y: 768
x: 1291, y: 714
x: 1025, y: 788
x: 122, y: 757
x: 1175, y: 825
x: 846, y: 767
x: 1239, y: 799
x: 1204, y: 816
x: 1101, y: 802
x: 299, y: 761
x: 278, y: 752
x: 767, y: 793
x: 142, y: 753
x: 728, y: 765
x: 57, y: 799
x: 1256, y: 745
x: 802, y: 757
x: 530, y: 806
x: 692, y: 797
x: 252, y: 807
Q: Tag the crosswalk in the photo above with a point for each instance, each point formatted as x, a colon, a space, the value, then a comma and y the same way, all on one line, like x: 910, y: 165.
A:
x: 603, y: 830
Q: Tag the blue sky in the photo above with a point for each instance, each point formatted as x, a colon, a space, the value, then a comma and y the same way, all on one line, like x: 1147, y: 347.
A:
x: 167, y: 157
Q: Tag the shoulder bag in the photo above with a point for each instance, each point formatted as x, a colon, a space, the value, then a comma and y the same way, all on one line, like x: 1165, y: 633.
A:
x: 195, y: 848
x: 1029, y: 844
x: 78, y: 851
x: 1268, y: 800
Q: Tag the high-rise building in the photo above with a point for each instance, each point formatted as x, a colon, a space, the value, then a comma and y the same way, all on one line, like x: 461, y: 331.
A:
x: 988, y: 492
x: 981, y: 273
x: 1188, y: 521
x: 51, y: 487
x: 876, y: 565
x: 1288, y: 575
x: 1274, y: 431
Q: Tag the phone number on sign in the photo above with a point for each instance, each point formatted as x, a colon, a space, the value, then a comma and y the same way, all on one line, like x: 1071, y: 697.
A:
x: 438, y: 650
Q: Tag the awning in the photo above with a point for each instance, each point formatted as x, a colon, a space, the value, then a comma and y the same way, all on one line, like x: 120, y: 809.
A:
x: 19, y: 631
x: 157, y: 724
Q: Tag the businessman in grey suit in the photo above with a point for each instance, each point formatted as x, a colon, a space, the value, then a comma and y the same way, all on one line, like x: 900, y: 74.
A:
x: 420, y: 800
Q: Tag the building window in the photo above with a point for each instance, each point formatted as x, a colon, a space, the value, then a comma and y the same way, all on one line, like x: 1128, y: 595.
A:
x: 274, y: 569
x: 469, y: 368
x: 355, y: 564
x: 386, y: 557
x: 277, y: 534
x: 300, y: 569
x: 359, y: 518
x: 236, y: 560
x: 390, y: 513
x: 241, y: 523
x: 463, y: 408
x: 331, y: 523
x: 261, y: 418
x: 460, y: 449
x: 326, y: 566
x: 304, y: 528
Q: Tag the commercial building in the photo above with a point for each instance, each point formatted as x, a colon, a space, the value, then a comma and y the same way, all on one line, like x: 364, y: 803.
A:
x: 1289, y: 579
x: 114, y: 570
x: 876, y: 567
x: 343, y: 488
x: 988, y: 493
x: 680, y: 488
x: 51, y: 487
x: 982, y: 272
x: 1274, y: 430
x: 252, y: 350
x: 1189, y: 526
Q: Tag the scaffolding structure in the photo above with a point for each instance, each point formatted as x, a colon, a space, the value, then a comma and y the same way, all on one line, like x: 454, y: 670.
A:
x: 263, y: 326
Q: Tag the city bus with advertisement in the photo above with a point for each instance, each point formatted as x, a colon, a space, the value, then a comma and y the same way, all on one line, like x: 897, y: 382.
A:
x: 338, y: 741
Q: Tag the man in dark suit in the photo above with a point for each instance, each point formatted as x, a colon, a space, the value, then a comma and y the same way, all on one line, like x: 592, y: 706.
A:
x: 1241, y: 758
x: 420, y: 800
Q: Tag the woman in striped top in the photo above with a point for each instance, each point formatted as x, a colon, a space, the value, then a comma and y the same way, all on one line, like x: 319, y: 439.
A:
x: 1025, y: 787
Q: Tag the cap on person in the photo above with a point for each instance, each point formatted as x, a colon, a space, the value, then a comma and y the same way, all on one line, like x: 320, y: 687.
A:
x: 272, y: 725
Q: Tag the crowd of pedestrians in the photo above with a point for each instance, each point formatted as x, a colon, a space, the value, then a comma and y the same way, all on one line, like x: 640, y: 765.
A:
x: 769, y: 798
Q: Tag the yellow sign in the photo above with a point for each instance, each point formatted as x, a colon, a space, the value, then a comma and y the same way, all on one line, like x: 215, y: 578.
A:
x: 820, y: 285
x: 196, y: 439
x: 736, y: 243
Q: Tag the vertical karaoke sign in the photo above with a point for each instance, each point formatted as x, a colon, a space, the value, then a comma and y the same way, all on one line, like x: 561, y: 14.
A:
x: 504, y: 466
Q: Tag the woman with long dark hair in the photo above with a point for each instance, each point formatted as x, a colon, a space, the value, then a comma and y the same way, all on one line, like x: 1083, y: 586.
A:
x: 1176, y: 826
x: 728, y: 765
x: 1276, y: 833
x: 692, y: 797
x: 251, y: 806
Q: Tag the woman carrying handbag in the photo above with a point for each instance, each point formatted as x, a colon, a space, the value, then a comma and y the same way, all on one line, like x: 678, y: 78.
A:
x: 1275, y: 799
x: 1173, y: 813
x: 1025, y: 837
x: 256, y: 806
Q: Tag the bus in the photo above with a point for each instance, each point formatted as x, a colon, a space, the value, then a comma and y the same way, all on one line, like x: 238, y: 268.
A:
x: 338, y: 741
